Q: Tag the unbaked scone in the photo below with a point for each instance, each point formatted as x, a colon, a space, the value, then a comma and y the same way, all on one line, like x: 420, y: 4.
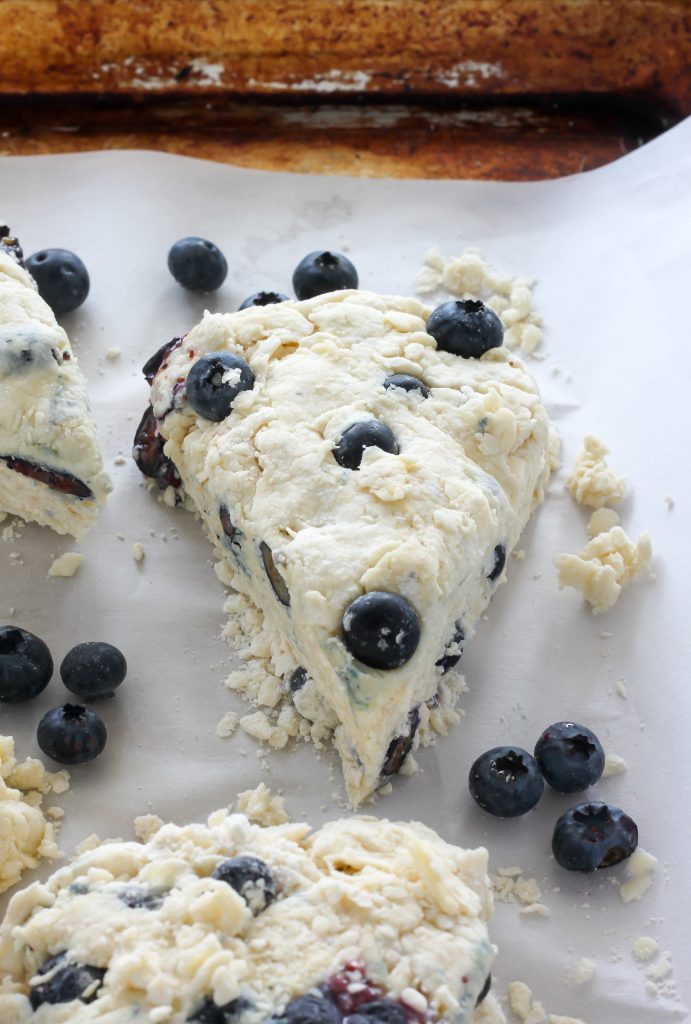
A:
x: 235, y: 921
x: 51, y: 470
x: 427, y: 523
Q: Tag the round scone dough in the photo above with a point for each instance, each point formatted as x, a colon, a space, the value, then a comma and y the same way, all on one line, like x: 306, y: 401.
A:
x: 362, y: 910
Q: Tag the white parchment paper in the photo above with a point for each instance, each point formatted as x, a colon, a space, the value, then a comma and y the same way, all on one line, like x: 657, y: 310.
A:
x: 612, y: 252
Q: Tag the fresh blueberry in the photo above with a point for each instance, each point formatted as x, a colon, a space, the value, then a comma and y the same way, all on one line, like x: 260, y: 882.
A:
x: 210, y: 1013
x: 298, y: 679
x: 67, y: 983
x: 453, y: 651
x: 570, y: 757
x: 278, y: 584
x: 156, y: 361
x: 406, y: 382
x: 484, y: 991
x: 363, y: 434
x: 400, y: 746
x: 381, y: 1011
x: 71, y: 734
x: 197, y: 264
x: 465, y: 327
x: 25, y: 665
x: 251, y: 878
x: 264, y: 299
x: 592, y: 836
x: 136, y: 896
x: 505, y: 781
x: 61, y: 277
x: 381, y: 630
x: 498, y: 563
x: 311, y: 1009
x: 321, y: 272
x: 215, y: 381
x: 147, y: 452
x: 93, y: 669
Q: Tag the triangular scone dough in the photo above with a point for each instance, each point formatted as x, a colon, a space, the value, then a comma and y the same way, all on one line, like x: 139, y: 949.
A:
x: 51, y: 470
x: 433, y: 523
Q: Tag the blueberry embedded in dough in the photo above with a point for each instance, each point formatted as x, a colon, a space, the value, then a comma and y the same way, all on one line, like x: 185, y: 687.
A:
x: 147, y: 453
x: 465, y: 327
x: 406, y: 382
x: 297, y: 679
x: 400, y: 746
x: 321, y: 272
x: 156, y: 362
x: 137, y: 897
x: 56, y: 479
x: 215, y: 381
x: 453, y: 650
x: 498, y: 563
x: 363, y: 434
x: 381, y: 1011
x: 310, y: 1009
x: 278, y: 584
x: 210, y: 1013
x: 485, y: 990
x: 251, y: 878
x: 382, y: 630
x: 67, y: 981
x: 10, y: 246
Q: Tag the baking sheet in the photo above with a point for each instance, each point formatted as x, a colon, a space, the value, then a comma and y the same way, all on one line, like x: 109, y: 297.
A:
x: 612, y: 253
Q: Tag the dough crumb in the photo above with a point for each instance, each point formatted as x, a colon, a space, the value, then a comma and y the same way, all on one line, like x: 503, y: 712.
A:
x: 669, y: 501
x: 661, y: 969
x: 515, y: 888
x: 644, y: 948
x: 585, y: 971
x: 146, y: 826
x: 261, y: 806
x: 620, y: 687
x: 602, y: 520
x: 228, y: 724
x: 609, y: 562
x: 66, y: 565
x: 614, y: 765
x: 114, y: 353
x: 138, y: 551
x: 592, y: 482
x: 640, y: 870
x: 120, y: 460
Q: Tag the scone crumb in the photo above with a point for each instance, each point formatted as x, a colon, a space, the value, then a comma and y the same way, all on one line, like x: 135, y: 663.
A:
x: 114, y: 353
x: 138, y: 551
x: 261, y: 806
x: 640, y: 870
x: 585, y: 971
x: 66, y: 564
x: 591, y: 481
x: 606, y: 564
x: 644, y: 948
x: 146, y: 826
x: 614, y: 765
x: 228, y: 724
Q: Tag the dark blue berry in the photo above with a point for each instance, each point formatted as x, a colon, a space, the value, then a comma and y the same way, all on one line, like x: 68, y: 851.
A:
x: 321, y: 272
x: 400, y: 746
x: 197, y: 264
x: 453, y: 651
x: 209, y: 394
x: 210, y: 1013
x: 505, y: 781
x: 380, y: 1011
x: 136, y: 896
x: 56, y: 479
x: 230, y: 530
x: 465, y: 327
x: 298, y: 679
x: 25, y: 665
x: 147, y: 452
x: 593, y: 836
x: 264, y: 299
x: 484, y: 991
x: 498, y: 563
x: 156, y: 361
x: 61, y: 277
x: 71, y: 734
x: 570, y: 757
x: 363, y: 434
x: 93, y: 669
x: 406, y: 382
x: 381, y: 630
x: 67, y: 983
x: 251, y: 878
x: 311, y: 1009
x: 278, y: 584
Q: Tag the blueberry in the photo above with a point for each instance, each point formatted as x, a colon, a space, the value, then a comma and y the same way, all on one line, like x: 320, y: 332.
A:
x: 251, y: 878
x: 147, y: 452
x: 498, y: 563
x: 592, y: 836
x: 311, y: 1009
x: 484, y: 991
x: 156, y: 361
x: 56, y: 479
x: 61, y: 277
x: 197, y: 264
x: 93, y: 669
x: 400, y: 746
x: 505, y: 781
x: 278, y: 584
x: 465, y: 327
x: 264, y: 299
x: 136, y: 896
x: 298, y: 679
x: 67, y: 983
x: 25, y: 665
x: 210, y: 1013
x: 381, y: 1011
x: 570, y: 757
x: 453, y: 650
x: 229, y: 528
x: 406, y: 382
x: 363, y: 434
x: 381, y: 630
x: 71, y: 734
x: 321, y: 272
x: 215, y: 381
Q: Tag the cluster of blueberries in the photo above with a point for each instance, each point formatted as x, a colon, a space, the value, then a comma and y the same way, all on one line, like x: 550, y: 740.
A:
x: 71, y: 734
x: 508, y: 782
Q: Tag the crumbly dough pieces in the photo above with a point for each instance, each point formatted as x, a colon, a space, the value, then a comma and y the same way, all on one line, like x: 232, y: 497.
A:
x: 44, y: 413
x: 474, y: 460
x: 592, y: 482
x: 610, y: 561
x: 395, y: 898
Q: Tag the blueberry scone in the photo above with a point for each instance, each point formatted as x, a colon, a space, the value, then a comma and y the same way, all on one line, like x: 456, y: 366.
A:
x: 236, y: 921
x: 363, y: 486
x: 51, y: 470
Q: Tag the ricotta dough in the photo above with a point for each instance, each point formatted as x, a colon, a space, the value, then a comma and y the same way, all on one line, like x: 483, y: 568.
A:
x: 51, y: 470
x: 25, y: 834
x: 433, y: 524
x: 374, y: 909
x: 607, y: 563
x: 592, y: 482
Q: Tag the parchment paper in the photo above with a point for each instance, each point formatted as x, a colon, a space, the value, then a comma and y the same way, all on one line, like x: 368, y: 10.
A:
x: 612, y: 252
